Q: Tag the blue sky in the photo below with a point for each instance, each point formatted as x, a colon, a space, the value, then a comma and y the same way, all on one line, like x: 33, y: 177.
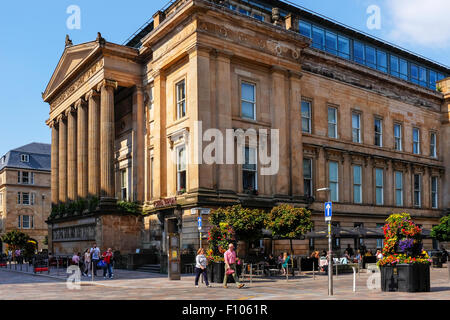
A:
x: 32, y: 40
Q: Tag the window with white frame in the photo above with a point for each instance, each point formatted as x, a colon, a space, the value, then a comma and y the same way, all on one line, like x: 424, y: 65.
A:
x: 416, y: 141
x: 181, y: 169
x: 332, y: 122
x: 356, y: 127
x: 379, y: 186
x: 307, y: 177
x: 250, y: 169
x: 24, y: 177
x: 26, y: 198
x: 378, y: 128
x: 181, y: 99
x: 334, y: 180
x: 417, y: 190
x: 248, y: 100
x: 24, y: 158
x: 357, y: 184
x: 25, y: 222
x: 398, y: 136
x: 433, y: 149
x: 124, y: 185
x: 306, y: 116
x: 434, y: 192
x: 398, y: 188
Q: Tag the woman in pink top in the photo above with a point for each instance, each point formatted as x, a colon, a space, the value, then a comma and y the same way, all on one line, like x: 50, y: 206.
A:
x: 230, y: 266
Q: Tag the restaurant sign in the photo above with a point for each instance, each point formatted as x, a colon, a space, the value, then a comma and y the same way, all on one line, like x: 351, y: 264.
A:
x: 163, y: 203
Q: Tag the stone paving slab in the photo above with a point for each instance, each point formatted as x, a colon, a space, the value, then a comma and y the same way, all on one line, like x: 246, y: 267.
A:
x: 130, y: 285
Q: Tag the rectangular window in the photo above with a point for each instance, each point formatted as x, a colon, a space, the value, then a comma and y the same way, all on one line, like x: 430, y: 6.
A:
x: 181, y: 169
x: 356, y: 127
x: 307, y: 177
x: 358, y: 52
x: 334, y: 180
x: 395, y: 67
x: 417, y: 190
x: 380, y: 242
x: 379, y: 186
x: 25, y: 177
x: 243, y: 11
x: 318, y: 37
x: 19, y: 222
x: 332, y: 122
x: 181, y: 99
x: 398, y: 136
x: 26, y: 222
x: 26, y: 198
x: 258, y: 17
x: 414, y: 74
x: 123, y: 185
x: 381, y: 61
x: 331, y: 42
x: 24, y: 158
x: 371, y: 58
x: 357, y: 184
x: 248, y: 100
x: 305, y: 29
x: 249, y: 169
x: 416, y: 141
x: 434, y: 192
x: 432, y: 80
x: 344, y: 47
x: 440, y: 76
x: 423, y: 77
x: 403, y: 69
x: 306, y: 116
x: 433, y: 152
x: 398, y: 188
x: 378, y: 132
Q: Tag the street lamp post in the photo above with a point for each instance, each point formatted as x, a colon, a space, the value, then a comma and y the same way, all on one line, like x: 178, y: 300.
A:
x: 330, y: 248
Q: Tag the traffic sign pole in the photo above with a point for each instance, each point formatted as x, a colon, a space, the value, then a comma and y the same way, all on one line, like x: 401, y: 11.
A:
x: 328, y: 215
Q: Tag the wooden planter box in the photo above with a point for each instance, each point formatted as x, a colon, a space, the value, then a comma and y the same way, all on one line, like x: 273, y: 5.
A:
x: 406, y: 278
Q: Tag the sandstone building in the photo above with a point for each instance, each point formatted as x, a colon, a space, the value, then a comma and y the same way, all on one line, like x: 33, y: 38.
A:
x: 354, y: 113
x: 25, y: 193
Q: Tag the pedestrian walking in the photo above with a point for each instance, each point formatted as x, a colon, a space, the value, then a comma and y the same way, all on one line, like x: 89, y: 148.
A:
x: 87, y: 263
x: 230, y: 266
x: 107, y: 258
x: 95, y: 258
x: 200, y: 267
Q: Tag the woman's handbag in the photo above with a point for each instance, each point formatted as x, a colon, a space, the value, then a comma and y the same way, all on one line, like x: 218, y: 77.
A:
x: 229, y: 271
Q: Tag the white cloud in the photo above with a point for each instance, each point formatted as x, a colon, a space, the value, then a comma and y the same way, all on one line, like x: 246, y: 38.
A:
x: 420, y: 22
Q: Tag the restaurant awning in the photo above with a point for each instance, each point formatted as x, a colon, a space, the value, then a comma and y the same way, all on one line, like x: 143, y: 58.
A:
x: 374, y: 233
x: 337, y: 232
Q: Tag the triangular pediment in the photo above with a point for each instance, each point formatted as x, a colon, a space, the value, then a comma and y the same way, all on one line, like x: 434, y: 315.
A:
x: 71, y: 59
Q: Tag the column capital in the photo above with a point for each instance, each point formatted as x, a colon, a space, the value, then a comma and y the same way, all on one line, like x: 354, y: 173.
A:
x: 107, y: 83
x: 60, y: 117
x: 157, y: 73
x: 69, y: 110
x: 52, y: 123
x: 296, y: 75
x: 80, y: 103
x: 278, y: 69
x: 91, y: 94
x: 196, y: 47
x: 223, y: 54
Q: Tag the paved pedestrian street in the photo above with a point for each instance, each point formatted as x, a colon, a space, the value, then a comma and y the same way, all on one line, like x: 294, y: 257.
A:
x: 129, y: 285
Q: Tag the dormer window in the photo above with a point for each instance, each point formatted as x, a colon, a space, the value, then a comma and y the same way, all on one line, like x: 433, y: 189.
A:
x: 24, y: 158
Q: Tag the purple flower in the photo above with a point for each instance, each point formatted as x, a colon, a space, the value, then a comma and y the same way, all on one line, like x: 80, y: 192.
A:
x: 406, y: 244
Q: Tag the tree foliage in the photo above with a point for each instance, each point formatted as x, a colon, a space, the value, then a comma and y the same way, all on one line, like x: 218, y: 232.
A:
x: 441, y: 232
x: 288, y: 222
x: 15, y: 239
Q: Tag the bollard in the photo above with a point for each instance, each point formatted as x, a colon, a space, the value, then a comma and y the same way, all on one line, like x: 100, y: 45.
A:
x: 251, y: 272
x: 354, y: 279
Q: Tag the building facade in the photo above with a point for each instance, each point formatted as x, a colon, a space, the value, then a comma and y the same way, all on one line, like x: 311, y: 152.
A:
x: 353, y: 113
x: 25, y: 193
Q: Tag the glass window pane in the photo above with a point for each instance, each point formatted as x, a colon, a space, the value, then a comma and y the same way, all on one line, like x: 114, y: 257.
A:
x: 305, y: 29
x: 332, y: 115
x: 398, y: 198
x: 358, y: 52
x: 379, y: 196
x: 403, y: 69
x: 331, y: 42
x: 357, y: 194
x: 395, y: 71
x: 318, y: 36
x: 414, y: 74
x: 248, y: 110
x: 355, y: 120
x: 433, y: 79
x: 440, y: 76
x: 382, y: 61
x: 422, y: 76
x: 344, y: 47
x: 248, y: 92
x: 307, y: 168
x: 398, y: 180
x: 334, y: 171
x: 357, y: 174
x: 371, y: 59
x: 379, y: 177
x: 331, y: 130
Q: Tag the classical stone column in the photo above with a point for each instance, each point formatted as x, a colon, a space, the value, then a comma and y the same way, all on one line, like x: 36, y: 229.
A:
x: 107, y: 137
x: 71, y: 154
x: 295, y: 135
x: 389, y: 189
x: 321, y: 175
x: 55, y: 162
x: 139, y: 144
x: 62, y: 165
x: 93, y: 143
x: 82, y: 148
x: 160, y: 140
x: 279, y: 115
x: 347, y: 180
x: 426, y: 188
x: 408, y: 187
